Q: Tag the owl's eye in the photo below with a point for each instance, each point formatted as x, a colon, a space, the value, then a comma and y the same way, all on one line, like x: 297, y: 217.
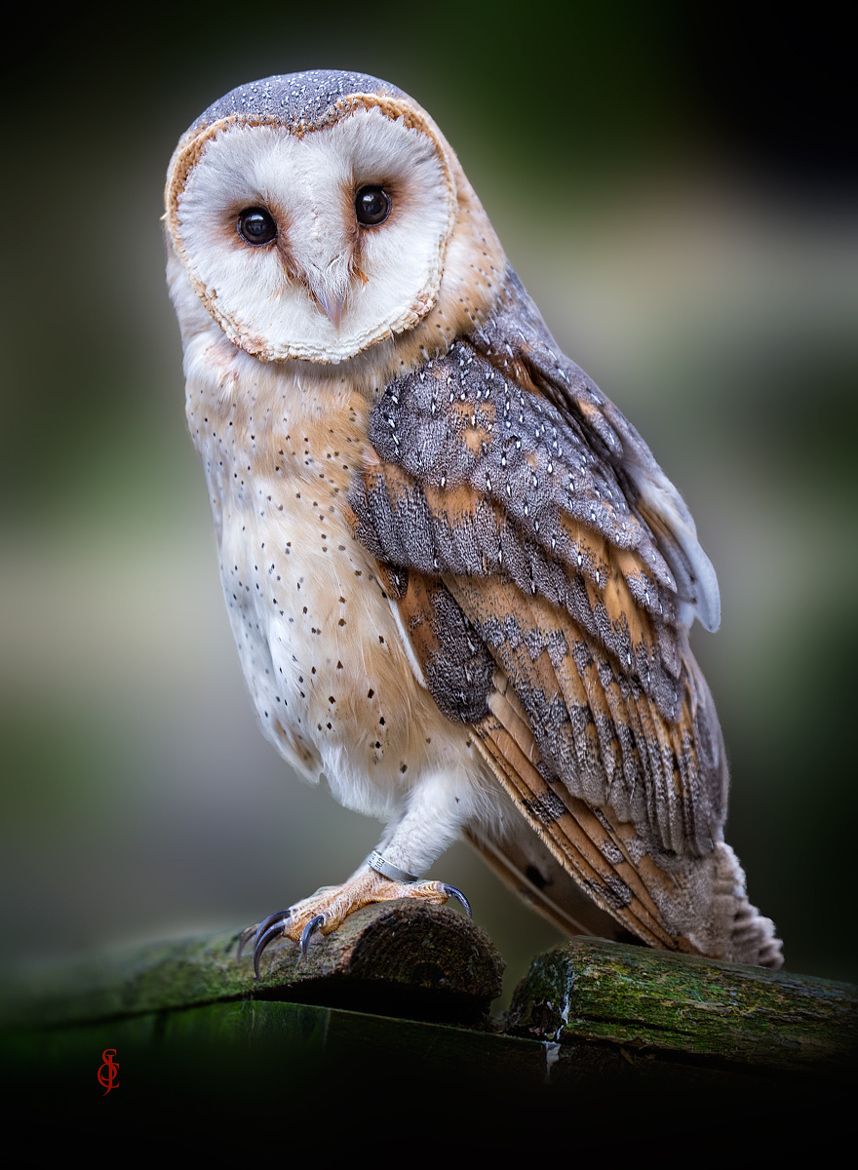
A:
x: 372, y: 205
x: 256, y: 226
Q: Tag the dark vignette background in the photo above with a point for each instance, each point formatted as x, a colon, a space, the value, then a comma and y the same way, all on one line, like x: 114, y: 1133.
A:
x: 677, y: 193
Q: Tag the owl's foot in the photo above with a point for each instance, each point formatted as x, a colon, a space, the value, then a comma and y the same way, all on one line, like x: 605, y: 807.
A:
x: 329, y: 907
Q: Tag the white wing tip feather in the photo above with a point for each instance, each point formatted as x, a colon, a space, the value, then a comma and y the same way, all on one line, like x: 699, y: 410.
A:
x: 696, y: 580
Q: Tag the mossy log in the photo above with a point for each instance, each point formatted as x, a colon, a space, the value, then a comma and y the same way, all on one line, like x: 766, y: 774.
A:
x: 401, y: 958
x: 680, y: 1006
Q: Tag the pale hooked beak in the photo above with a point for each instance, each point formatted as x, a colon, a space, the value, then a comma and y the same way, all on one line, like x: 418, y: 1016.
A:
x: 328, y: 284
x: 332, y: 305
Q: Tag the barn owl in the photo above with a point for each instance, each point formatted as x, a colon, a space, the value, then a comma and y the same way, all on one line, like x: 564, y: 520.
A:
x: 460, y: 585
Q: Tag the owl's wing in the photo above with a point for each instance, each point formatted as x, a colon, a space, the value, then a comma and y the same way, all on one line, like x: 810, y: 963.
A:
x: 546, y: 572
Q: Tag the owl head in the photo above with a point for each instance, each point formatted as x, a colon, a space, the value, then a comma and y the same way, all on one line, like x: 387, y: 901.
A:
x: 313, y: 213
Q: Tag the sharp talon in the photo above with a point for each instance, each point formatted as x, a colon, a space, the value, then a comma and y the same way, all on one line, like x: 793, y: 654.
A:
x: 453, y: 892
x: 263, y: 938
x: 309, y: 930
x: 277, y: 916
x: 257, y: 929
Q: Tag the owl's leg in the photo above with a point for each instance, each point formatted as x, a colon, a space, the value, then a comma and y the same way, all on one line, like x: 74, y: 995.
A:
x: 435, y: 813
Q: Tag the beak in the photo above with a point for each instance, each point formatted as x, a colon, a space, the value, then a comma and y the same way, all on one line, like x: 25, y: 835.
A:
x: 332, y: 306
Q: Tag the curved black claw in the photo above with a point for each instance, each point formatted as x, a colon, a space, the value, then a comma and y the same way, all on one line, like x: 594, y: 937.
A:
x: 454, y: 892
x: 250, y: 932
x: 272, y: 927
x: 309, y: 930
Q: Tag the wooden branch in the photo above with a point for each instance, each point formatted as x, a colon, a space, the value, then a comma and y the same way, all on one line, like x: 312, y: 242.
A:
x: 675, y: 1005
x: 403, y: 958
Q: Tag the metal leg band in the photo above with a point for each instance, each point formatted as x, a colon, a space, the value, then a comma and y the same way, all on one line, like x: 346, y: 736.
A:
x: 376, y: 861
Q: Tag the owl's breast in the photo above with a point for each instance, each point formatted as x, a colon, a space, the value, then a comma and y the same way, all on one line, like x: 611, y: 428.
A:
x: 317, y: 637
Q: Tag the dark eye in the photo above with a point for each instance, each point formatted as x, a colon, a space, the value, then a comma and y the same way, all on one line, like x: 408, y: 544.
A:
x: 372, y: 205
x: 256, y: 226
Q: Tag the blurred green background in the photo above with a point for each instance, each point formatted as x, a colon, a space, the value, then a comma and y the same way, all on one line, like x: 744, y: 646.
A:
x: 674, y: 192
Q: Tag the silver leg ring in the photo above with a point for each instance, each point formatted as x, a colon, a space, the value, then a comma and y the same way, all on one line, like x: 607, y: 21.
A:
x: 376, y: 861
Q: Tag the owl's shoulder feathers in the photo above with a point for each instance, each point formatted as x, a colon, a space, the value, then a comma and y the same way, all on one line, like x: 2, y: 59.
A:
x: 518, y: 326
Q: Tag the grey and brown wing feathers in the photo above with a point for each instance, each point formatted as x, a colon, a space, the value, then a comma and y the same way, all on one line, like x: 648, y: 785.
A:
x: 546, y: 572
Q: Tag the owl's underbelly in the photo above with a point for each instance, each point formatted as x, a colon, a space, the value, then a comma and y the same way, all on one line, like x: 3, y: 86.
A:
x: 322, y: 653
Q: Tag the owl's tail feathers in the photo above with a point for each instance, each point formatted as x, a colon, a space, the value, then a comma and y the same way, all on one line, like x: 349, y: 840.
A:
x: 748, y: 936
x: 702, y: 900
